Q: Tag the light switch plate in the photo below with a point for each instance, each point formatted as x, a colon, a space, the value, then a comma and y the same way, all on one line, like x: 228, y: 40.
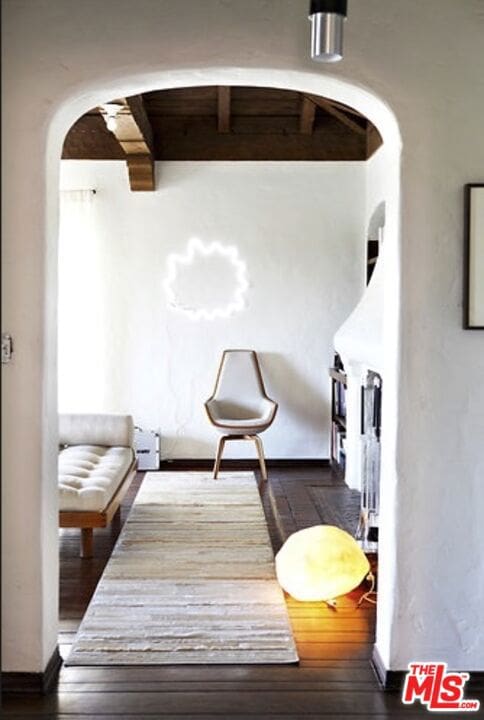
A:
x: 7, y: 348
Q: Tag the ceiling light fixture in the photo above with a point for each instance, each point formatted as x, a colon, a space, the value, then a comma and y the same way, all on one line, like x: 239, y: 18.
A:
x: 109, y: 112
x: 327, y: 18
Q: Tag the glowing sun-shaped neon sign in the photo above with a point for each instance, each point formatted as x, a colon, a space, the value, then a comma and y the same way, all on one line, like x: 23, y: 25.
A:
x: 207, y: 281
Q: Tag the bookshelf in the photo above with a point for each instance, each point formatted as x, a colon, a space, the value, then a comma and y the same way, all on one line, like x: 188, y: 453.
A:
x: 371, y: 401
x: 338, y: 416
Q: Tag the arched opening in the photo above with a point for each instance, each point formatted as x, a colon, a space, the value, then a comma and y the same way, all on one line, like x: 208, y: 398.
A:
x: 62, y: 59
x: 75, y: 106
x: 388, y: 171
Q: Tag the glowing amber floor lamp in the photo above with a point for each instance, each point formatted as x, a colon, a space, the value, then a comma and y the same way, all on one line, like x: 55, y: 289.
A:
x: 321, y: 563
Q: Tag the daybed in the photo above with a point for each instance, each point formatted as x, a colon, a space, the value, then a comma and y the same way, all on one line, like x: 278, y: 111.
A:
x: 96, y: 465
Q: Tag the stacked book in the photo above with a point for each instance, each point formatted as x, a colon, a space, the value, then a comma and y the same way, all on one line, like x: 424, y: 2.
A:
x: 339, y: 442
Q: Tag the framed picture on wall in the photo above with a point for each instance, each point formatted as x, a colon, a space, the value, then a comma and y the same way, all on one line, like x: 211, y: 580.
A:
x: 474, y: 257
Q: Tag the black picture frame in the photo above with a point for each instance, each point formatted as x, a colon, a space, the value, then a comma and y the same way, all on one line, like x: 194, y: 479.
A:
x: 473, y: 240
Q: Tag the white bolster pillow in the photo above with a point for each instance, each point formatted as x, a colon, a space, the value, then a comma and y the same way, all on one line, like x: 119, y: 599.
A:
x: 88, y: 429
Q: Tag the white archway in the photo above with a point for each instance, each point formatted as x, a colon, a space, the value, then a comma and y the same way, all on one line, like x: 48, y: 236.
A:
x: 71, y: 109
x: 383, y: 118
x: 60, y: 59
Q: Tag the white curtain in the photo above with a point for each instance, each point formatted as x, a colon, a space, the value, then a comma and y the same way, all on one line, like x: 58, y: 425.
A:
x: 81, y: 312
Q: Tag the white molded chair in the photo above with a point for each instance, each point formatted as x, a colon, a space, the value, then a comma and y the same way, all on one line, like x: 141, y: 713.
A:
x: 240, y: 407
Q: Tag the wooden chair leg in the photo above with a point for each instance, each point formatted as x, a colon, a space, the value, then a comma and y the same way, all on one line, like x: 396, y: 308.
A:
x: 218, y: 457
x: 260, y: 453
x: 86, y: 542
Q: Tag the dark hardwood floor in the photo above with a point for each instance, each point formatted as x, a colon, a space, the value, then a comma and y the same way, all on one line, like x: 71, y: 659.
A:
x: 333, y: 680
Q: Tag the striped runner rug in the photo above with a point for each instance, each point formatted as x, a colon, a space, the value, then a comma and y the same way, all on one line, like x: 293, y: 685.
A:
x: 191, y: 580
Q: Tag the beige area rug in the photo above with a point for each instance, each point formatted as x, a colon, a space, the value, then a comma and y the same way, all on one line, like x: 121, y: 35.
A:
x: 191, y: 580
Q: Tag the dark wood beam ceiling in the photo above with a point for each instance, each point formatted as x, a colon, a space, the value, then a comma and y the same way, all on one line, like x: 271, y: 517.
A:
x: 135, y: 136
x: 331, y: 109
x: 223, y: 109
x: 307, y: 116
x: 226, y: 123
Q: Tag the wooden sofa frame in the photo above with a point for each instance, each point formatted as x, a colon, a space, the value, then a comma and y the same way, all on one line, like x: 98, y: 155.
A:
x: 87, y: 520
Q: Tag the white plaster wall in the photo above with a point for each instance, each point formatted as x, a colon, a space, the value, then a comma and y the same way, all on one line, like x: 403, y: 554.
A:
x: 425, y: 61
x: 476, y: 257
x: 378, y: 190
x: 365, y: 341
x: 299, y: 227
x: 383, y: 170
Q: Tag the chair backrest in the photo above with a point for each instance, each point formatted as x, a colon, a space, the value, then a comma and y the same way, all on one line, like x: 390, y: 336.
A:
x: 239, y: 377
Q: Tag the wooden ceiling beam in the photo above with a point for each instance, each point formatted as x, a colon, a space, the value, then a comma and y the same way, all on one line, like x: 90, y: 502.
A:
x: 202, y: 141
x: 133, y: 130
x: 307, y: 115
x: 251, y: 123
x: 329, y: 108
x: 344, y: 108
x: 223, y: 109
x: 134, y: 133
x: 140, y: 117
x: 141, y: 173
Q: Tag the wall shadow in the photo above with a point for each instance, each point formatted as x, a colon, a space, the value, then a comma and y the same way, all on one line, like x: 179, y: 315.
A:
x: 295, y: 395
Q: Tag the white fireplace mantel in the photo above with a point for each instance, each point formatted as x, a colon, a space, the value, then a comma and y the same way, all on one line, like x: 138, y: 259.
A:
x: 359, y: 340
x: 359, y: 343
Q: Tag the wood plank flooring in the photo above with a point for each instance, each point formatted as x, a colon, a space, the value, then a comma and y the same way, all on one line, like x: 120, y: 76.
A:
x: 333, y: 680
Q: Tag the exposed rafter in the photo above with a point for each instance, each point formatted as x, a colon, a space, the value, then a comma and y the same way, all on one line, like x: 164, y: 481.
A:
x: 332, y: 110
x: 220, y: 123
x: 141, y: 172
x: 138, y: 111
x: 348, y: 110
x: 306, y: 118
x: 134, y: 134
x: 223, y: 109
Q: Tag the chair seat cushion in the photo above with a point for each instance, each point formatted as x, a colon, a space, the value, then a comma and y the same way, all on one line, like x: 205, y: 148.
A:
x: 89, y: 475
x: 236, y: 418
x: 246, y: 426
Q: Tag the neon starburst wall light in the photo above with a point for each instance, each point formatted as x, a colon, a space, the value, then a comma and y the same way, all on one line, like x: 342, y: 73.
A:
x: 207, y: 281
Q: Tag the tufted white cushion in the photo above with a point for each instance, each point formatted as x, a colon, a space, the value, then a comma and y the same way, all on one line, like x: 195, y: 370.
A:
x: 89, y: 475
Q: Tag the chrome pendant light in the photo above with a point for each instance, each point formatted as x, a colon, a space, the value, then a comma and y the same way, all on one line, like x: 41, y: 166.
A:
x: 327, y: 18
